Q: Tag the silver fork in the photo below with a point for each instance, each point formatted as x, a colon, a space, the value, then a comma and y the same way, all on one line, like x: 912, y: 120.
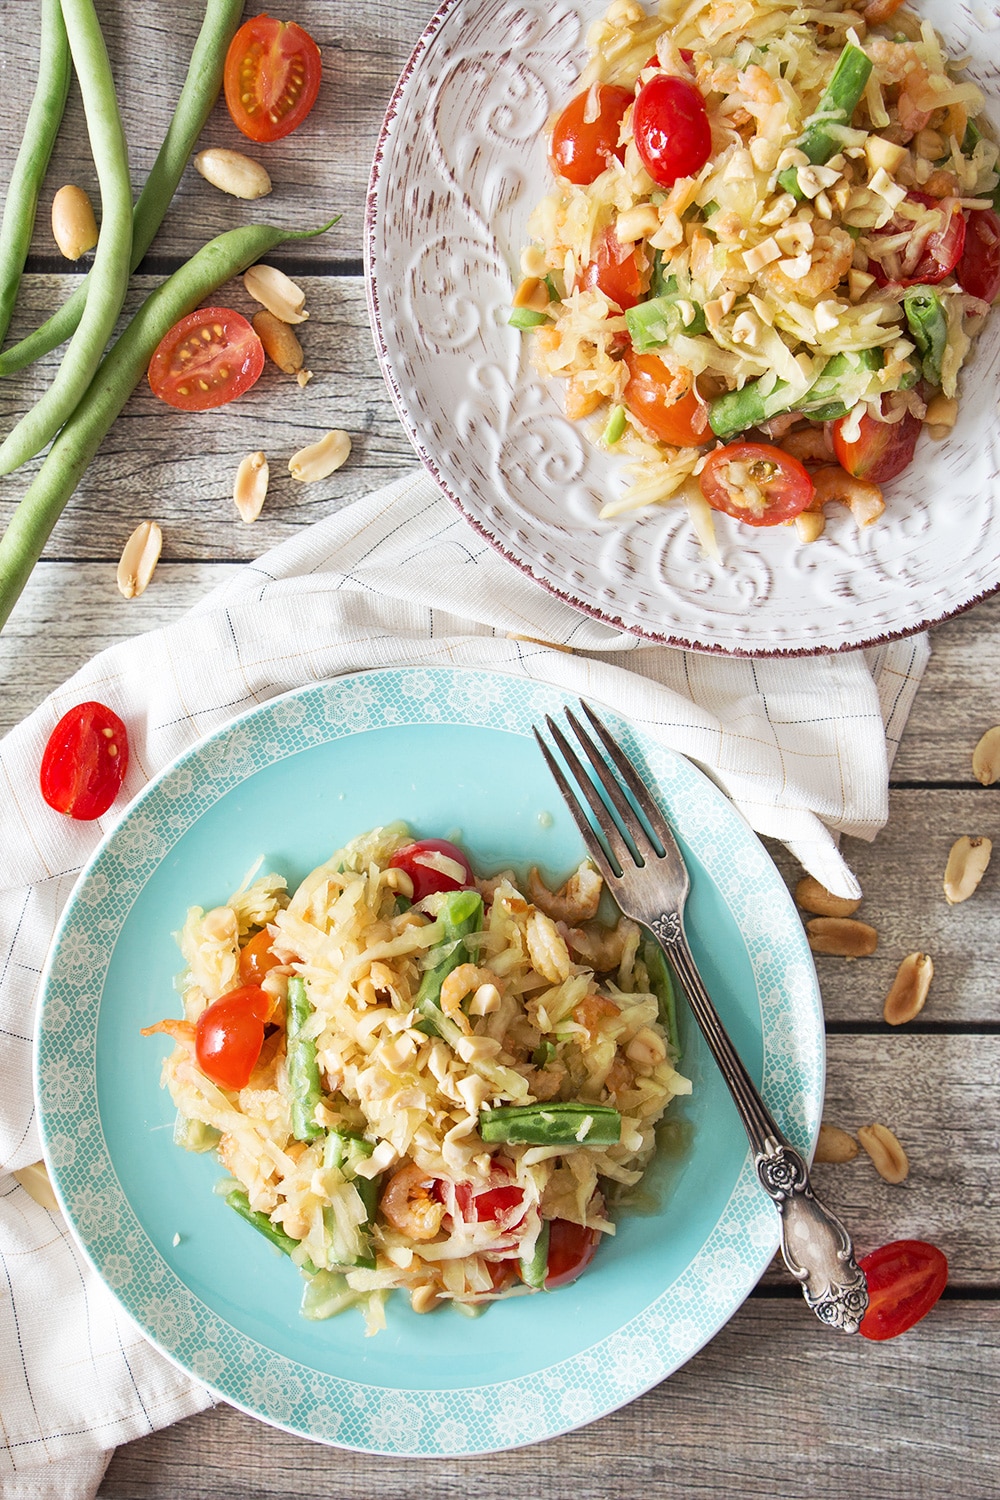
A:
x: 650, y: 883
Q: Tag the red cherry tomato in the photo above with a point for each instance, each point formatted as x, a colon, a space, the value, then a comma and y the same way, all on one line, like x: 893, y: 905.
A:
x: 84, y: 762
x: 257, y: 957
x: 978, y: 271
x: 940, y: 251
x: 671, y: 129
x: 272, y: 75
x: 230, y: 1034
x: 493, y: 1204
x: 664, y: 402
x: 615, y: 270
x: 208, y: 358
x: 905, y: 1279
x: 580, y: 148
x: 755, y: 483
x: 430, y: 864
x: 571, y: 1249
x: 503, y: 1273
x: 880, y: 451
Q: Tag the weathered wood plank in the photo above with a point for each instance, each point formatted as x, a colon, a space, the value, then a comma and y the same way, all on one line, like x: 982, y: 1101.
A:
x: 320, y: 170
x: 959, y: 699
x: 772, y: 1407
x: 178, y: 468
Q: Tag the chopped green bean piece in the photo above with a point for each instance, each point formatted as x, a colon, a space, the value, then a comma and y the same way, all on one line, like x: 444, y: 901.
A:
x: 662, y: 987
x: 461, y: 914
x: 659, y: 320
x: 615, y: 428
x: 928, y: 323
x: 532, y: 1269
x: 303, y: 1070
x: 526, y: 317
x: 836, y: 107
x: 239, y: 1201
x: 737, y: 410
x: 558, y: 1124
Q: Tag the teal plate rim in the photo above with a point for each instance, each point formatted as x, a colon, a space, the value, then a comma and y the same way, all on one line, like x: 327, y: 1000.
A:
x: 327, y: 1406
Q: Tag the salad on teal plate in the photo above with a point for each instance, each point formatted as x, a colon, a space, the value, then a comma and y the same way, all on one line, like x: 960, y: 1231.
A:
x: 450, y: 754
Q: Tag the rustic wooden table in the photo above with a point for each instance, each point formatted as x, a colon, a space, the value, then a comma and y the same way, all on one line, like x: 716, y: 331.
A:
x: 773, y: 1406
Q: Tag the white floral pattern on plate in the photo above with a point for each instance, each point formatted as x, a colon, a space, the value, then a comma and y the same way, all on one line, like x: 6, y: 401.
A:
x: 459, y: 166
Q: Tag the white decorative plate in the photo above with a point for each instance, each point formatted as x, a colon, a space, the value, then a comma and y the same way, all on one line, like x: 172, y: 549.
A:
x: 460, y: 163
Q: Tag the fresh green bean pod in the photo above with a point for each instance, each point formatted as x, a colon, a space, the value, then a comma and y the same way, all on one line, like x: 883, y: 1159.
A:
x: 303, y: 1070
x: 737, y: 410
x: 836, y: 107
x: 40, y: 131
x: 119, y: 373
x: 110, y: 272
x: 194, y: 104
x: 460, y: 915
x: 263, y: 1224
x: 568, y: 1124
x: 658, y: 321
x: 662, y: 987
x: 928, y: 323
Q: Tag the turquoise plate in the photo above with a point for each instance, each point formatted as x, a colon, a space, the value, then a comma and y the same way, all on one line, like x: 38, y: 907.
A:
x: 451, y: 752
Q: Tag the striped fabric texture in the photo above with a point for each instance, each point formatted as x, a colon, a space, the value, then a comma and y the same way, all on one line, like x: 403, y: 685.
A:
x: 803, y: 746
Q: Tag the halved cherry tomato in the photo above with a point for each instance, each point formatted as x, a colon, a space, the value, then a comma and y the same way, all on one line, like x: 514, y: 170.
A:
x: 502, y: 1273
x: 664, y: 402
x: 208, y: 358
x: 978, y: 271
x: 84, y: 761
x: 905, y: 1279
x: 230, y: 1034
x: 257, y: 957
x: 571, y: 1249
x: 581, y: 148
x: 493, y: 1204
x: 616, y: 271
x: 940, y: 251
x: 671, y: 129
x: 880, y: 451
x: 273, y: 69
x: 433, y: 865
x: 756, y: 483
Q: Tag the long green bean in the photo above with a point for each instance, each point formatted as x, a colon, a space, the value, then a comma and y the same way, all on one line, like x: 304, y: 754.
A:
x: 194, y: 104
x: 119, y: 373
x: 40, y: 131
x: 110, y: 272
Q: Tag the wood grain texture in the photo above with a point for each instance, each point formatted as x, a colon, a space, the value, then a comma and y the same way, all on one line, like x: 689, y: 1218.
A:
x: 324, y: 164
x: 772, y: 1409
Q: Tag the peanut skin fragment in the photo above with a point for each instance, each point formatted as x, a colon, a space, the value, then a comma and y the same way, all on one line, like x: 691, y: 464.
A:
x: 835, y: 1144
x: 812, y: 896
x: 843, y: 937
x: 909, y: 989
x: 966, y: 867
x: 888, y: 1157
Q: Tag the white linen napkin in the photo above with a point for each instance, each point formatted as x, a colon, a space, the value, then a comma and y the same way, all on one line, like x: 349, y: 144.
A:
x: 802, y: 746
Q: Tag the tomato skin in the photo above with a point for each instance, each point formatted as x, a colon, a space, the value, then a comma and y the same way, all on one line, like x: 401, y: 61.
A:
x: 272, y: 76
x: 615, y: 271
x: 230, y: 1034
x: 571, y: 1249
x: 426, y: 879
x: 671, y: 129
x: 226, y: 363
x: 581, y: 149
x: 493, y: 1204
x: 905, y: 1279
x: 942, y: 250
x: 257, y: 957
x: 651, y: 395
x: 84, y: 762
x: 785, y: 482
x: 978, y: 271
x: 881, y: 450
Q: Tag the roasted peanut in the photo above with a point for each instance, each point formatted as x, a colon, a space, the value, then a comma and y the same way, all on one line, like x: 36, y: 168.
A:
x: 277, y: 292
x: 139, y: 558
x: 812, y: 896
x: 74, y: 227
x: 280, y: 342
x: 986, y: 757
x: 233, y: 173
x: 810, y: 525
x: 842, y: 936
x: 35, y: 1181
x: 835, y: 1144
x: 966, y: 867
x: 909, y: 989
x: 320, y: 459
x: 250, y: 489
x: 888, y: 1157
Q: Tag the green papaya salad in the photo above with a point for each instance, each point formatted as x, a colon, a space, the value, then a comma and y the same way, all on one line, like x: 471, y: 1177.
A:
x: 771, y: 240
x: 420, y: 1080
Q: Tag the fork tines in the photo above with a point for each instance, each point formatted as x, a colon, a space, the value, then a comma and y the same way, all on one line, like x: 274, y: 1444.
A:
x: 635, y: 831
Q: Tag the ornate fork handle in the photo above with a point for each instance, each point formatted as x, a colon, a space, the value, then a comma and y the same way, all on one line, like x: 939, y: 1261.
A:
x: 814, y: 1243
